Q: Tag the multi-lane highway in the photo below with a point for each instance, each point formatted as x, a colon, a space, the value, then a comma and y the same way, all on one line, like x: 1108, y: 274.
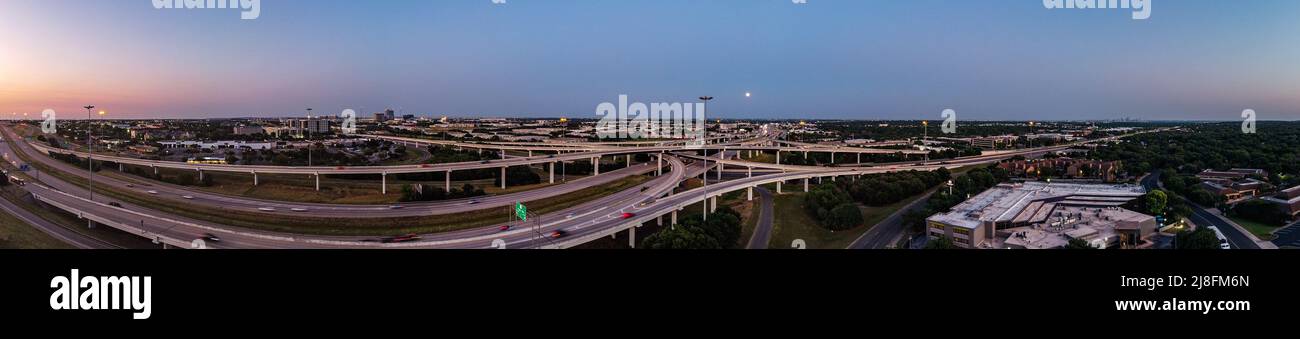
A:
x: 623, y: 211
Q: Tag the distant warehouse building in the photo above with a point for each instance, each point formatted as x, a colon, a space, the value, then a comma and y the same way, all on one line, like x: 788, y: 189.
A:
x: 1038, y: 215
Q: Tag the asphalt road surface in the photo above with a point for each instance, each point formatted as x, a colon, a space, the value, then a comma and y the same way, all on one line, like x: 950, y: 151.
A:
x: 763, y: 228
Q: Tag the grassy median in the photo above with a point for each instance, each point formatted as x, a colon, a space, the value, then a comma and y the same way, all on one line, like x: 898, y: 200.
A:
x: 300, y: 224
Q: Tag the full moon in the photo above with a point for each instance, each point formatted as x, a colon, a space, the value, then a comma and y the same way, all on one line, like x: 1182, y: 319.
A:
x: 747, y: 94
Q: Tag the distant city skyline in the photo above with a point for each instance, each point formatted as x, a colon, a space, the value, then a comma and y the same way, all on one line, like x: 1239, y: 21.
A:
x: 824, y: 60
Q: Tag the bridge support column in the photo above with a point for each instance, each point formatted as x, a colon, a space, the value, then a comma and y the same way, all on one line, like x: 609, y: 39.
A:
x: 254, y: 178
x: 751, y: 173
x: 447, y: 179
x: 90, y: 224
x: 778, y: 157
x: 155, y: 170
x: 200, y: 175
x: 384, y: 182
x: 530, y: 153
x: 832, y: 158
x: 631, y: 237
x: 503, y: 178
x: 121, y: 168
x: 552, y: 170
x: 859, y: 158
x: 750, y: 191
x: 660, y: 220
x: 659, y: 171
x: 629, y: 160
x: 721, y: 166
x: 778, y: 187
x: 317, y: 181
x: 595, y: 166
x: 705, y: 204
x: 674, y: 218
x: 805, y: 185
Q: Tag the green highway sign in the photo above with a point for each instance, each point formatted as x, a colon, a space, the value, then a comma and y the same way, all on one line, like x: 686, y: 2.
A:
x: 521, y: 211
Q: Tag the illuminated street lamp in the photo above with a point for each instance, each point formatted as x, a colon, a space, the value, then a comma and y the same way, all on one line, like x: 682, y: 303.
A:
x: 90, y: 152
x: 705, y: 179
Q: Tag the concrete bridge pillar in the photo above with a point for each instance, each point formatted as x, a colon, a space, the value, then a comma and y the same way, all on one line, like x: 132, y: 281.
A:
x: 503, y: 178
x: 200, y: 175
x: 750, y: 191
x: 552, y: 170
x: 659, y: 171
x: 674, y: 218
x: 254, y: 178
x: 595, y: 164
x: 317, y: 174
x: 384, y: 183
x: 447, y: 179
x: 778, y: 187
x: 631, y: 237
x: 805, y: 185
x: 629, y: 160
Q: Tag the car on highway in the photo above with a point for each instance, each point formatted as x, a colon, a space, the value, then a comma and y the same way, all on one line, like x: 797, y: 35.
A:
x: 395, y: 207
x: 627, y: 215
x: 503, y: 228
x: 472, y: 202
x: 130, y: 185
x: 266, y: 209
x: 115, y: 204
x: 401, y: 239
x: 298, y: 209
x: 558, y: 234
x: 568, y: 216
x: 187, y: 197
x: 487, y: 161
x: 211, y: 237
x: 152, y: 192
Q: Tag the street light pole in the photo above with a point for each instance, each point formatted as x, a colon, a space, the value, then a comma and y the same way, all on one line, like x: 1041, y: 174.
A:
x: 90, y: 154
x: 705, y: 132
x: 925, y: 135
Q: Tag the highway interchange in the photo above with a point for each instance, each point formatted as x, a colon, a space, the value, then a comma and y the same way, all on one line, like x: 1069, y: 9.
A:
x: 653, y: 201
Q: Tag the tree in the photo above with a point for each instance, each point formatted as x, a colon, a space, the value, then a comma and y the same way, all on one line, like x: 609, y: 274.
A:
x: 844, y: 217
x: 1079, y: 244
x: 943, y: 243
x: 1200, y: 239
x: 1155, y: 202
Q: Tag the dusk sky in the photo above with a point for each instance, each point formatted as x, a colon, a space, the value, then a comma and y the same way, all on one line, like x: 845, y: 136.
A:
x: 854, y: 59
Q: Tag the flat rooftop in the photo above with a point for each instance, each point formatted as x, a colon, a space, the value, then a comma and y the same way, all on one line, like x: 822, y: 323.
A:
x: 1003, y: 203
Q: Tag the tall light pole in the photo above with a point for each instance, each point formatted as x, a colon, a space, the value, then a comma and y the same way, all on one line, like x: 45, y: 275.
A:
x: 90, y: 154
x: 705, y: 132
x: 925, y: 135
x: 1031, y: 135
x: 307, y: 129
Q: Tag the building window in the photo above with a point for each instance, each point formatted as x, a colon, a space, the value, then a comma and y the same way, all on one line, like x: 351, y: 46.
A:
x: 936, y: 226
x: 962, y: 231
